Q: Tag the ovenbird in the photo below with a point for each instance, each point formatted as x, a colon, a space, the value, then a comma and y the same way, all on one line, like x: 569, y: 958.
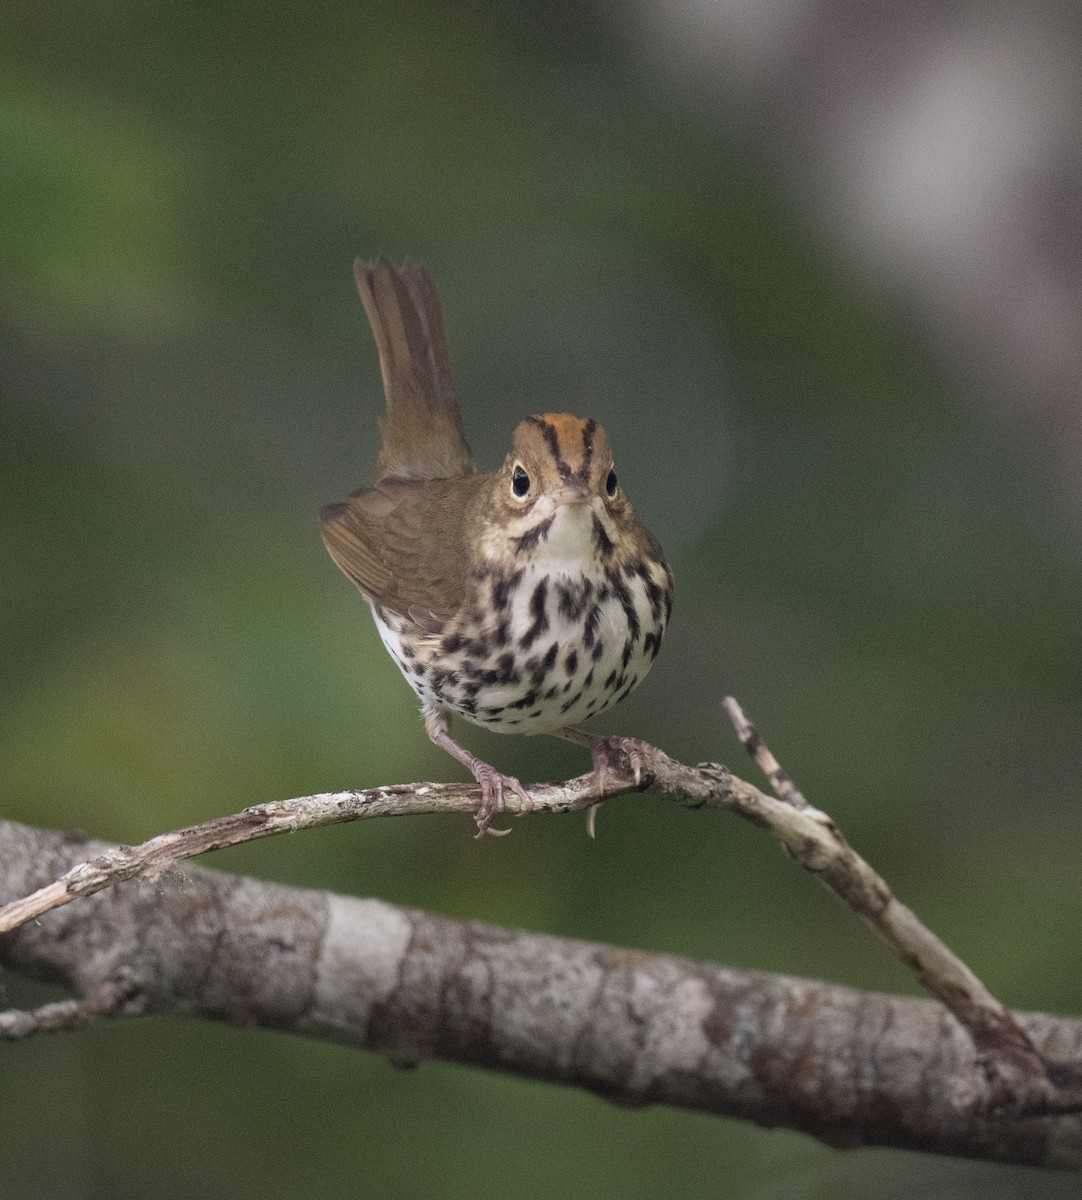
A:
x: 524, y: 599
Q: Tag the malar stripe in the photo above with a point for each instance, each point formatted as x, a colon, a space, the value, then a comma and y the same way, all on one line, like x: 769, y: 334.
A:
x: 533, y: 537
x: 602, y: 540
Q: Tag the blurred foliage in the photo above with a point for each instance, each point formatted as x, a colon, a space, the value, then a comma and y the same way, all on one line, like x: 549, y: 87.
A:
x: 185, y: 375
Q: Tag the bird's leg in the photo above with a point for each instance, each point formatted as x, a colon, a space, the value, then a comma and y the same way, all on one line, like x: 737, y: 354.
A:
x: 491, y: 781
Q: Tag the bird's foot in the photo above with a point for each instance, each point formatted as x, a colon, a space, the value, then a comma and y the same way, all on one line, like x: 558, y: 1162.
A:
x: 611, y: 753
x: 615, y: 754
x: 493, y: 785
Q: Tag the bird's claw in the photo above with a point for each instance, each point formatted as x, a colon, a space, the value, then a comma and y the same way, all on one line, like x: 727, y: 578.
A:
x: 492, y: 784
x: 607, y: 751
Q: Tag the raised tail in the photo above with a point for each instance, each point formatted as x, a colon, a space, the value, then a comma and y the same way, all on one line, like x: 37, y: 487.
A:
x: 423, y: 437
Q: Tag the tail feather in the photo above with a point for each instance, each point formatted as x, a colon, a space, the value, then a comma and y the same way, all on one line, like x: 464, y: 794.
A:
x: 423, y: 437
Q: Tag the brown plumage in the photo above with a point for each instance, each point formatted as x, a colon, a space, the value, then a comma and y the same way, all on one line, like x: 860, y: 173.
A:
x: 423, y: 436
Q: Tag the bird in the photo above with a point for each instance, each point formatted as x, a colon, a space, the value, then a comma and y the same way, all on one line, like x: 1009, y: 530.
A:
x: 525, y: 599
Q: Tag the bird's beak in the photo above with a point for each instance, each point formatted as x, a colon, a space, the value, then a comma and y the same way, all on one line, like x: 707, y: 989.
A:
x: 571, y: 494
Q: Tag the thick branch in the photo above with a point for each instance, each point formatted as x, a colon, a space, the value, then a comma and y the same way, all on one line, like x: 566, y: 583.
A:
x: 637, y: 1028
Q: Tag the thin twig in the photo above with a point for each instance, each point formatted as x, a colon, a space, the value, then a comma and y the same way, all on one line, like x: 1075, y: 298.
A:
x: 290, y: 816
x: 783, y: 786
x: 16, y: 1024
x: 111, y: 999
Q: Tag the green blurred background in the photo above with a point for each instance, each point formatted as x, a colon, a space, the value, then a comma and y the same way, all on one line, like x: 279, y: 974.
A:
x: 861, y: 556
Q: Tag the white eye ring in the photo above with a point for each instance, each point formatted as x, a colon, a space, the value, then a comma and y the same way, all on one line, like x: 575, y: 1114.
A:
x: 520, y: 482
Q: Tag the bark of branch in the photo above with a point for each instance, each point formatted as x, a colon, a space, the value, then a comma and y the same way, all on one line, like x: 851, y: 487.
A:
x: 845, y: 1066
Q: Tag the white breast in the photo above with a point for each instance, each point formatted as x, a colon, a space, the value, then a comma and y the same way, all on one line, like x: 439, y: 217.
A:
x: 564, y: 647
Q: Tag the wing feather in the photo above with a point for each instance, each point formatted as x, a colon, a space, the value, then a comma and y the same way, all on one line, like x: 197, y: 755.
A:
x: 403, y: 544
x: 346, y: 537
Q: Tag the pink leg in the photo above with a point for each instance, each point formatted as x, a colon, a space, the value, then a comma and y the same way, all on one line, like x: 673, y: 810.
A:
x: 492, y: 782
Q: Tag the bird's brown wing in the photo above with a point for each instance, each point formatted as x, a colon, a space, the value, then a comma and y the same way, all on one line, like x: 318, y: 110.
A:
x: 403, y: 544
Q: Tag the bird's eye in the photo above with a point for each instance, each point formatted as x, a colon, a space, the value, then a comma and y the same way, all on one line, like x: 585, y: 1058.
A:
x: 520, y: 482
x: 610, y: 483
